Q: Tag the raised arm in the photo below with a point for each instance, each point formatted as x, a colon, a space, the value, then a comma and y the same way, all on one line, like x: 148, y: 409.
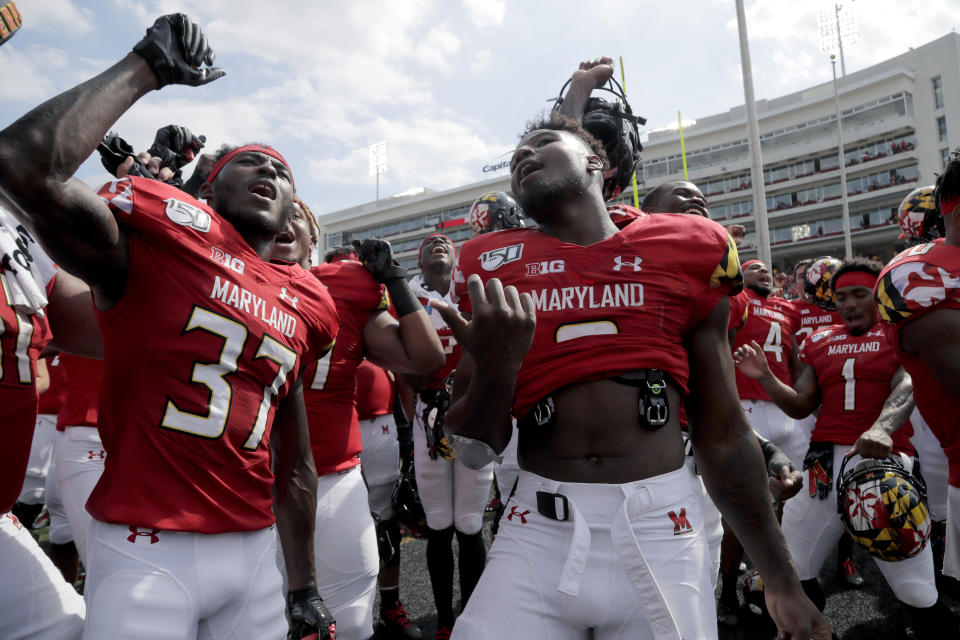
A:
x: 40, y: 152
x: 732, y: 466
x: 877, y: 441
x: 798, y: 401
x: 410, y: 345
x: 591, y: 75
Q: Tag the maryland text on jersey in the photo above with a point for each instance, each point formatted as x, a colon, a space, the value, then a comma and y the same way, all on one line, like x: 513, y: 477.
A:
x: 250, y: 303
x: 623, y: 294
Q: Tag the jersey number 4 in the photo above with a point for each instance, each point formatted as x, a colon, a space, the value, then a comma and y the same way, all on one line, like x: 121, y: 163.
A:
x: 213, y: 376
x: 774, y: 342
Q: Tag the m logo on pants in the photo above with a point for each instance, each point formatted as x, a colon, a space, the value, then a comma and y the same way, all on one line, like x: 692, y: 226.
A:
x: 681, y: 524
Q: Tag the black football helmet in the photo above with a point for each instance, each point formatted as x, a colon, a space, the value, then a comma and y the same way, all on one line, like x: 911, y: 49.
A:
x: 611, y: 121
x: 494, y: 211
x: 884, y: 507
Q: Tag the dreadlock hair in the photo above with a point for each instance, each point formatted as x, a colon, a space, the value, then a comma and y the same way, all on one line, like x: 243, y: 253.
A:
x: 948, y: 182
x: 340, y: 252
x: 557, y: 122
x: 857, y: 264
x: 311, y: 221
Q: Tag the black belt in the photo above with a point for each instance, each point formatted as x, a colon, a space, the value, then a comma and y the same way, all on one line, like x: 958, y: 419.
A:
x: 653, y: 406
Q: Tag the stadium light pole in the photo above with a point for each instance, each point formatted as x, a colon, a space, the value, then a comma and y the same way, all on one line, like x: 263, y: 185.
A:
x: 845, y: 203
x: 753, y: 131
x: 377, y: 156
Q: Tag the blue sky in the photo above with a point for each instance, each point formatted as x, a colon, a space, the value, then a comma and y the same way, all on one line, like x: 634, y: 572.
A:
x: 448, y: 84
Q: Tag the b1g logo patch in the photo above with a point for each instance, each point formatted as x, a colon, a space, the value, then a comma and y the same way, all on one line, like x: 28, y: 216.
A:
x: 188, y: 215
x: 496, y: 258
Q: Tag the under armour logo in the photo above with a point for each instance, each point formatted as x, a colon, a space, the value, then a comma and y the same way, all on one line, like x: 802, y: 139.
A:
x: 385, y: 428
x: 292, y: 300
x: 95, y: 455
x: 619, y: 263
x: 681, y: 524
x: 151, y: 533
x: 514, y: 511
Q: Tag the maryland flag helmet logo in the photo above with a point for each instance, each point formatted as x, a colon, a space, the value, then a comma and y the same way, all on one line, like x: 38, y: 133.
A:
x: 919, y: 219
x: 727, y: 274
x: 817, y: 282
x: 884, y: 507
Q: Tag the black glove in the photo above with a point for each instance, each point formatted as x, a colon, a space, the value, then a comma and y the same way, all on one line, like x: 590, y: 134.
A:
x: 775, y: 459
x: 377, y: 257
x: 309, y: 618
x: 175, y: 50
x: 176, y: 146
x: 114, y: 150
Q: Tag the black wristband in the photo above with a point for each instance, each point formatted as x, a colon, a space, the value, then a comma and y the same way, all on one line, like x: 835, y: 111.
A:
x: 303, y: 594
x: 404, y: 301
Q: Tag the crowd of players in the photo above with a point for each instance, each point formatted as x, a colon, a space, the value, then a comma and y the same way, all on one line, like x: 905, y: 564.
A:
x: 228, y: 437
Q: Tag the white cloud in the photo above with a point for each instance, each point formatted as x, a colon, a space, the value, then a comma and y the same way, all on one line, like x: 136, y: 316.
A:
x: 436, y: 49
x: 73, y: 20
x: 34, y: 73
x: 785, y: 44
x: 481, y: 59
x: 485, y: 13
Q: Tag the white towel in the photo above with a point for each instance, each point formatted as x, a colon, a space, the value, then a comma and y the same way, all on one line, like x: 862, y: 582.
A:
x: 21, y: 287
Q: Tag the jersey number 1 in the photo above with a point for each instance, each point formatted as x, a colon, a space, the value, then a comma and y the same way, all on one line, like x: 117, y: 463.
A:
x: 850, y: 385
x: 213, y: 376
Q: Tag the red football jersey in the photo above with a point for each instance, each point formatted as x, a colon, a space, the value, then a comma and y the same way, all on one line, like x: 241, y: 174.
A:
x: 854, y: 375
x: 918, y: 281
x: 84, y: 384
x: 51, y: 400
x: 22, y: 337
x: 330, y: 385
x: 621, y: 304
x: 738, y: 311
x: 205, y: 341
x: 812, y: 318
x: 450, y: 345
x: 375, y: 391
x: 771, y: 322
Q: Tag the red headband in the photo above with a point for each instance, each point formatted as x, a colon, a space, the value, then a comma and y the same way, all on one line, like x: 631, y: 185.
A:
x: 255, y: 148
x: 948, y: 205
x: 746, y: 264
x: 435, y: 235
x: 854, y: 279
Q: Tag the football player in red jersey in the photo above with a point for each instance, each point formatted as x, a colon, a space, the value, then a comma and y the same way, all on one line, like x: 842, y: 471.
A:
x: 594, y: 354
x: 865, y: 399
x: 675, y: 196
x: 203, y: 345
x: 35, y: 298
x: 919, y: 298
x: 453, y: 495
x: 346, y: 541
x: 772, y: 321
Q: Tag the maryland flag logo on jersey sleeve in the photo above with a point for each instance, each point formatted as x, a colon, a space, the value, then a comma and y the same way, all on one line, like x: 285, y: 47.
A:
x: 727, y: 274
x: 912, y: 287
x: 384, y: 300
